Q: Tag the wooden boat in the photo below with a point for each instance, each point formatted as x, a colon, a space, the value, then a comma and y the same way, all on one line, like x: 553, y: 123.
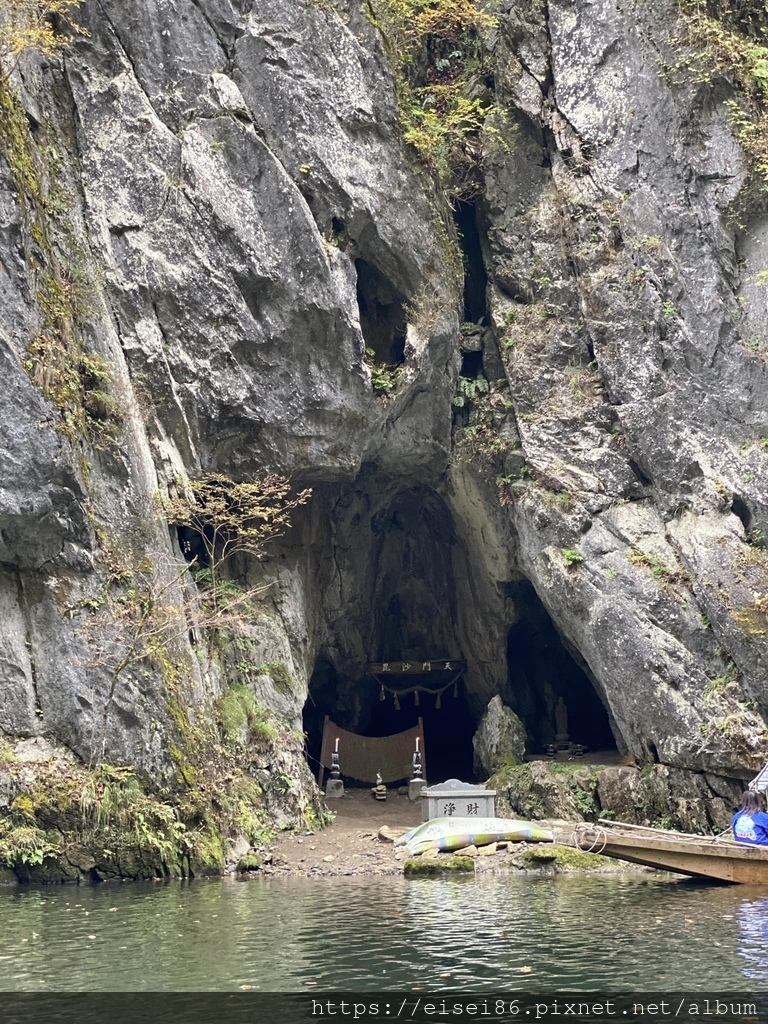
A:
x: 701, y: 856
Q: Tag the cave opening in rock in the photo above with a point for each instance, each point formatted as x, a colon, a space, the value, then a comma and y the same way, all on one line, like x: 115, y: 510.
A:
x: 475, y: 276
x: 739, y: 508
x: 552, y: 694
x: 365, y: 707
x: 447, y: 721
x: 324, y: 698
x: 406, y: 612
x: 382, y: 314
x: 414, y: 601
x: 191, y: 545
x: 472, y: 365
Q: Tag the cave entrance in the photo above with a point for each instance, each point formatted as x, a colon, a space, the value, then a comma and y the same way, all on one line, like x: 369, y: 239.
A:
x: 414, y: 616
x: 405, y: 611
x: 385, y: 706
x: 382, y: 315
x: 323, y: 698
x: 434, y: 693
x: 551, y: 692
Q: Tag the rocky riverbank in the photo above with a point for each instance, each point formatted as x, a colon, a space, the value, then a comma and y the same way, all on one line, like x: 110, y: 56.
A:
x: 360, y: 842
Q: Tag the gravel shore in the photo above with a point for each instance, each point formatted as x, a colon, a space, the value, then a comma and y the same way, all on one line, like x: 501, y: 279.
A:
x: 351, y: 845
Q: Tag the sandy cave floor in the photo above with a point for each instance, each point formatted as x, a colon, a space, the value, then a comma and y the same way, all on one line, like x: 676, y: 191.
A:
x: 350, y: 845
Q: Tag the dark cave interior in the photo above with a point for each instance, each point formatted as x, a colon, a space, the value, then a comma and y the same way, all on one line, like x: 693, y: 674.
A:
x: 412, y: 603
x: 475, y: 275
x: 382, y: 314
x: 542, y: 672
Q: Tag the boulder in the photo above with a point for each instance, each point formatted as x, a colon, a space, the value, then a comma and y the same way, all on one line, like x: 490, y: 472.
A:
x: 499, y: 740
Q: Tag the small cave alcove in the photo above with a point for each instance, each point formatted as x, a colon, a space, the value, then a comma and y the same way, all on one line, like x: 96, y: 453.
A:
x: 472, y: 365
x: 552, y: 694
x: 382, y: 314
x: 191, y: 546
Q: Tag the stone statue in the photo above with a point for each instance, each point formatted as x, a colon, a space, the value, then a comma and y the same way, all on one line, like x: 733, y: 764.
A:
x: 561, y: 721
x: 379, y: 791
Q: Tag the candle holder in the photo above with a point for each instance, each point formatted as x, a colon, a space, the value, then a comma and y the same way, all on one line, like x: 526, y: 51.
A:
x: 334, y: 788
x: 416, y: 783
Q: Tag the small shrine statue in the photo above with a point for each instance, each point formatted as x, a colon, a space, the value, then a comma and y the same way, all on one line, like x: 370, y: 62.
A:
x: 561, y: 722
x: 379, y: 791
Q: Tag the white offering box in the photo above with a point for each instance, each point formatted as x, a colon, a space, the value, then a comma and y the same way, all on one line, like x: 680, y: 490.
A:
x: 457, y: 799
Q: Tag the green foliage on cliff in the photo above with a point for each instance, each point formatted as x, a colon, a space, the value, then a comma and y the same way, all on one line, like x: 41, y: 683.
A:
x: 68, y: 819
x: 754, y: 618
x: 231, y: 517
x: 76, y: 382
x: 571, y: 557
x: 30, y: 26
x: 104, y: 810
x: 661, y: 572
x: 25, y: 844
x: 384, y: 378
x: 730, y: 39
x: 240, y: 715
x: 115, y: 806
x: 440, y: 51
x: 79, y: 384
x: 468, y: 389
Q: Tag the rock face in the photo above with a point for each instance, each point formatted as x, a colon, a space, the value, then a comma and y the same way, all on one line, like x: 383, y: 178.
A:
x: 500, y: 739
x: 655, y: 795
x: 220, y: 256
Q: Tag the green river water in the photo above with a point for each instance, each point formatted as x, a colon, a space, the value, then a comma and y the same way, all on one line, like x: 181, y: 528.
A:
x: 577, y: 933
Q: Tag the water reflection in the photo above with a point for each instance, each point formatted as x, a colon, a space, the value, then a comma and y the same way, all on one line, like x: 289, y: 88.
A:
x: 753, y: 941
x: 581, y: 933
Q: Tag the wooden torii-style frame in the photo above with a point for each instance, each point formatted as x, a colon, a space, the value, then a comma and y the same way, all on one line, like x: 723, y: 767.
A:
x: 377, y: 669
x: 392, y: 754
x: 365, y: 757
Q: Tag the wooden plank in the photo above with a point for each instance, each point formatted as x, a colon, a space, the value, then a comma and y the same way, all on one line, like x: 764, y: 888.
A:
x: 669, y: 832
x: 413, y: 668
x: 725, y: 862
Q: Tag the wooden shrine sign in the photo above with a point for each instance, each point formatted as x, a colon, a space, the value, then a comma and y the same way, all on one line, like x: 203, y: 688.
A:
x: 414, y: 668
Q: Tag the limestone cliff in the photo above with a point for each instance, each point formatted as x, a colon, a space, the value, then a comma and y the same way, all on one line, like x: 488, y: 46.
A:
x: 220, y: 255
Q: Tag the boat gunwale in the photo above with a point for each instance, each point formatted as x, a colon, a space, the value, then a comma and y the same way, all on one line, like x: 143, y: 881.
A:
x: 598, y: 838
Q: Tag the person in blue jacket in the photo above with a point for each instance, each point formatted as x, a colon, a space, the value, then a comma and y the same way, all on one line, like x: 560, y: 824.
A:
x: 750, y: 823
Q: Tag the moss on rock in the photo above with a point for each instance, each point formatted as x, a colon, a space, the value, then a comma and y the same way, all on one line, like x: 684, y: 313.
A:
x: 418, y: 866
x: 207, y: 854
x: 250, y: 862
x: 549, y: 789
x: 561, y: 858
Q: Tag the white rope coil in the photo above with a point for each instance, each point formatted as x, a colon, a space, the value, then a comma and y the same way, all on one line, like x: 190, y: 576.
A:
x: 594, y: 835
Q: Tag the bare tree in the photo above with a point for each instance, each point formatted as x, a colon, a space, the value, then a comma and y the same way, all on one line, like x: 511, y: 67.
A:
x: 144, y: 611
x: 232, y: 518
